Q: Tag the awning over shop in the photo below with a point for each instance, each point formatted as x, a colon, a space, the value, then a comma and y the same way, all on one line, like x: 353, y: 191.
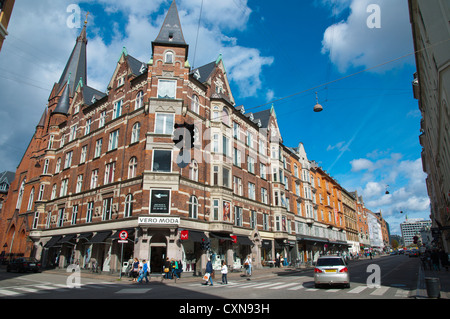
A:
x: 244, y: 240
x: 85, y: 236
x: 221, y: 236
x: 193, y: 235
x: 267, y: 244
x: 67, y: 239
x: 312, y: 239
x: 100, y: 237
x: 130, y: 232
x: 53, y: 241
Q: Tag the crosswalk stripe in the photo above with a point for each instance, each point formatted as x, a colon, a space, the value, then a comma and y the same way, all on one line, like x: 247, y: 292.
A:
x: 253, y: 285
x: 26, y: 289
x: 45, y: 287
x: 9, y: 292
x: 285, y: 285
x: 266, y: 286
x: 332, y: 290
x: 380, y: 291
x: 357, y: 290
x: 297, y: 287
x: 402, y: 293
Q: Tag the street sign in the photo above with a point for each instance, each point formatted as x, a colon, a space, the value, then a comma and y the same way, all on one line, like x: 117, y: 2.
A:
x: 123, y: 235
x: 122, y: 241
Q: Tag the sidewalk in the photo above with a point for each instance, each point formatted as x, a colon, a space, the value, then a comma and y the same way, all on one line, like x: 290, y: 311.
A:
x: 444, y: 280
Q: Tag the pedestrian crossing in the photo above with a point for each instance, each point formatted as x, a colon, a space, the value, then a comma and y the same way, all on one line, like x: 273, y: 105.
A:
x: 306, y: 285
x: 18, y: 291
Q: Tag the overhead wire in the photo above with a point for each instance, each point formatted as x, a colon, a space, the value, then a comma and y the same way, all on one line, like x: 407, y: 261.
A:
x: 348, y: 76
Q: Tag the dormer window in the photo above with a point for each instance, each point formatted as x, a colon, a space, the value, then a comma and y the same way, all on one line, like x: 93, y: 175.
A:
x: 120, y: 81
x: 171, y: 36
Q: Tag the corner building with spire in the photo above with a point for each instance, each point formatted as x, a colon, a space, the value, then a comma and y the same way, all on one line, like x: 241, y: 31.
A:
x: 101, y: 163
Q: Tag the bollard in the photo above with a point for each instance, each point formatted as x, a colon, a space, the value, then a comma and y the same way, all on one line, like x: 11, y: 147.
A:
x: 433, y: 287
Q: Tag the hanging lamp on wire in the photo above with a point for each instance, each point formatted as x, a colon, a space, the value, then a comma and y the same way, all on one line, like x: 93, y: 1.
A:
x: 317, y: 107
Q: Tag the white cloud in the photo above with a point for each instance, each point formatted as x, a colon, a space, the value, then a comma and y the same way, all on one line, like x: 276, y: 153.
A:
x: 40, y: 42
x: 404, y: 179
x: 351, y: 43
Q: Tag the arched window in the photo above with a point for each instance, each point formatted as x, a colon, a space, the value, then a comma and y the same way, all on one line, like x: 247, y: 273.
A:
x: 195, y: 104
x: 193, y: 207
x: 31, y: 200
x: 132, y: 167
x: 168, y: 58
x: 225, y: 119
x: 128, y: 206
x: 135, y: 132
x: 193, y: 171
x: 139, y: 100
x: 21, y: 190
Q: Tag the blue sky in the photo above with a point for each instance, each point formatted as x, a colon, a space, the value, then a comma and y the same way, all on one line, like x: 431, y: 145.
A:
x: 367, y: 135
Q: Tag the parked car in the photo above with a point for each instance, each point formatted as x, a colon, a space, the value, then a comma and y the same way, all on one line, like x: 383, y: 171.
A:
x: 24, y: 264
x: 331, y: 270
x: 414, y: 253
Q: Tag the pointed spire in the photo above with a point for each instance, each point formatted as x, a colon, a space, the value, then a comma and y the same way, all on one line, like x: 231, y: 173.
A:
x: 64, y: 101
x: 171, y: 32
x: 76, y: 65
x: 43, y: 117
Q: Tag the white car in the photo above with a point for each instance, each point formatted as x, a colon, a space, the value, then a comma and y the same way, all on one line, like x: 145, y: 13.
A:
x: 331, y: 270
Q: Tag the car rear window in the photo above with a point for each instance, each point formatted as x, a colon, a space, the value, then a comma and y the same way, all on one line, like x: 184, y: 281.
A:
x: 330, y: 262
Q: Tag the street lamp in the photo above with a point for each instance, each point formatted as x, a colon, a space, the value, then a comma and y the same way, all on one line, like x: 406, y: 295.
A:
x: 317, y: 107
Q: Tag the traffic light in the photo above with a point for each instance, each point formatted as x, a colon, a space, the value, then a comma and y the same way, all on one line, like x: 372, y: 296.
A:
x: 415, y: 239
x: 183, y: 138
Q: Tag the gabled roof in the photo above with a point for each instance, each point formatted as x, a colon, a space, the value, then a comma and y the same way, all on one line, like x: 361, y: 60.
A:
x: 203, y: 73
x: 171, y: 32
x: 76, y: 65
x: 91, y: 95
x: 264, y: 117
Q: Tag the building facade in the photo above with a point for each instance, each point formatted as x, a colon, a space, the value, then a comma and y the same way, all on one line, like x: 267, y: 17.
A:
x: 6, y: 8
x: 431, y: 86
x: 100, y: 163
x: 412, y: 227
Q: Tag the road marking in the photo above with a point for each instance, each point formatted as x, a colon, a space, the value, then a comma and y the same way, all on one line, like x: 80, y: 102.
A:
x: 285, y: 286
x: 45, y: 287
x: 357, y: 290
x: 297, y: 287
x: 379, y: 291
x: 269, y: 285
x: 312, y: 289
x: 9, y: 292
x: 26, y: 289
x: 402, y: 293
x: 333, y: 290
x: 253, y: 285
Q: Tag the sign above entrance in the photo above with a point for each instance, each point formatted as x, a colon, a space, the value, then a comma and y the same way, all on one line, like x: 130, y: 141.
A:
x: 158, y: 220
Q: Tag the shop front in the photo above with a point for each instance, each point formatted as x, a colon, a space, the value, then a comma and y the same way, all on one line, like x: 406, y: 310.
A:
x: 310, y: 248
x: 191, y: 245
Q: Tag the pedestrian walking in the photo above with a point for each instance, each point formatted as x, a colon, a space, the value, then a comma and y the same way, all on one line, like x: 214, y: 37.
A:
x: 166, y: 269
x: 248, y: 265
x: 145, y: 270
x: 141, y: 274
x: 224, y: 271
x: 208, y: 273
x: 135, y: 269
x: 180, y: 268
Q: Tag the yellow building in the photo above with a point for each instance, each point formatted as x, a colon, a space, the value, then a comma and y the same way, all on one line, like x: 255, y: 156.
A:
x: 6, y: 7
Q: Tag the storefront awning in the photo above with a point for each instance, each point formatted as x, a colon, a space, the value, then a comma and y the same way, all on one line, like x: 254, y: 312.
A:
x: 244, y: 240
x: 85, y: 236
x: 67, y: 239
x: 100, y: 237
x: 130, y: 232
x: 312, y: 239
x: 221, y: 236
x: 193, y: 235
x: 53, y: 241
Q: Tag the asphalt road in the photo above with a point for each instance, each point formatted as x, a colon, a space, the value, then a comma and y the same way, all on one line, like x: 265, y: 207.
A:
x: 391, y: 277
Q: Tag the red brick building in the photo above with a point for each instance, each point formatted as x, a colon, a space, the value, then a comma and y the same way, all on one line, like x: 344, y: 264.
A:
x: 100, y: 163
